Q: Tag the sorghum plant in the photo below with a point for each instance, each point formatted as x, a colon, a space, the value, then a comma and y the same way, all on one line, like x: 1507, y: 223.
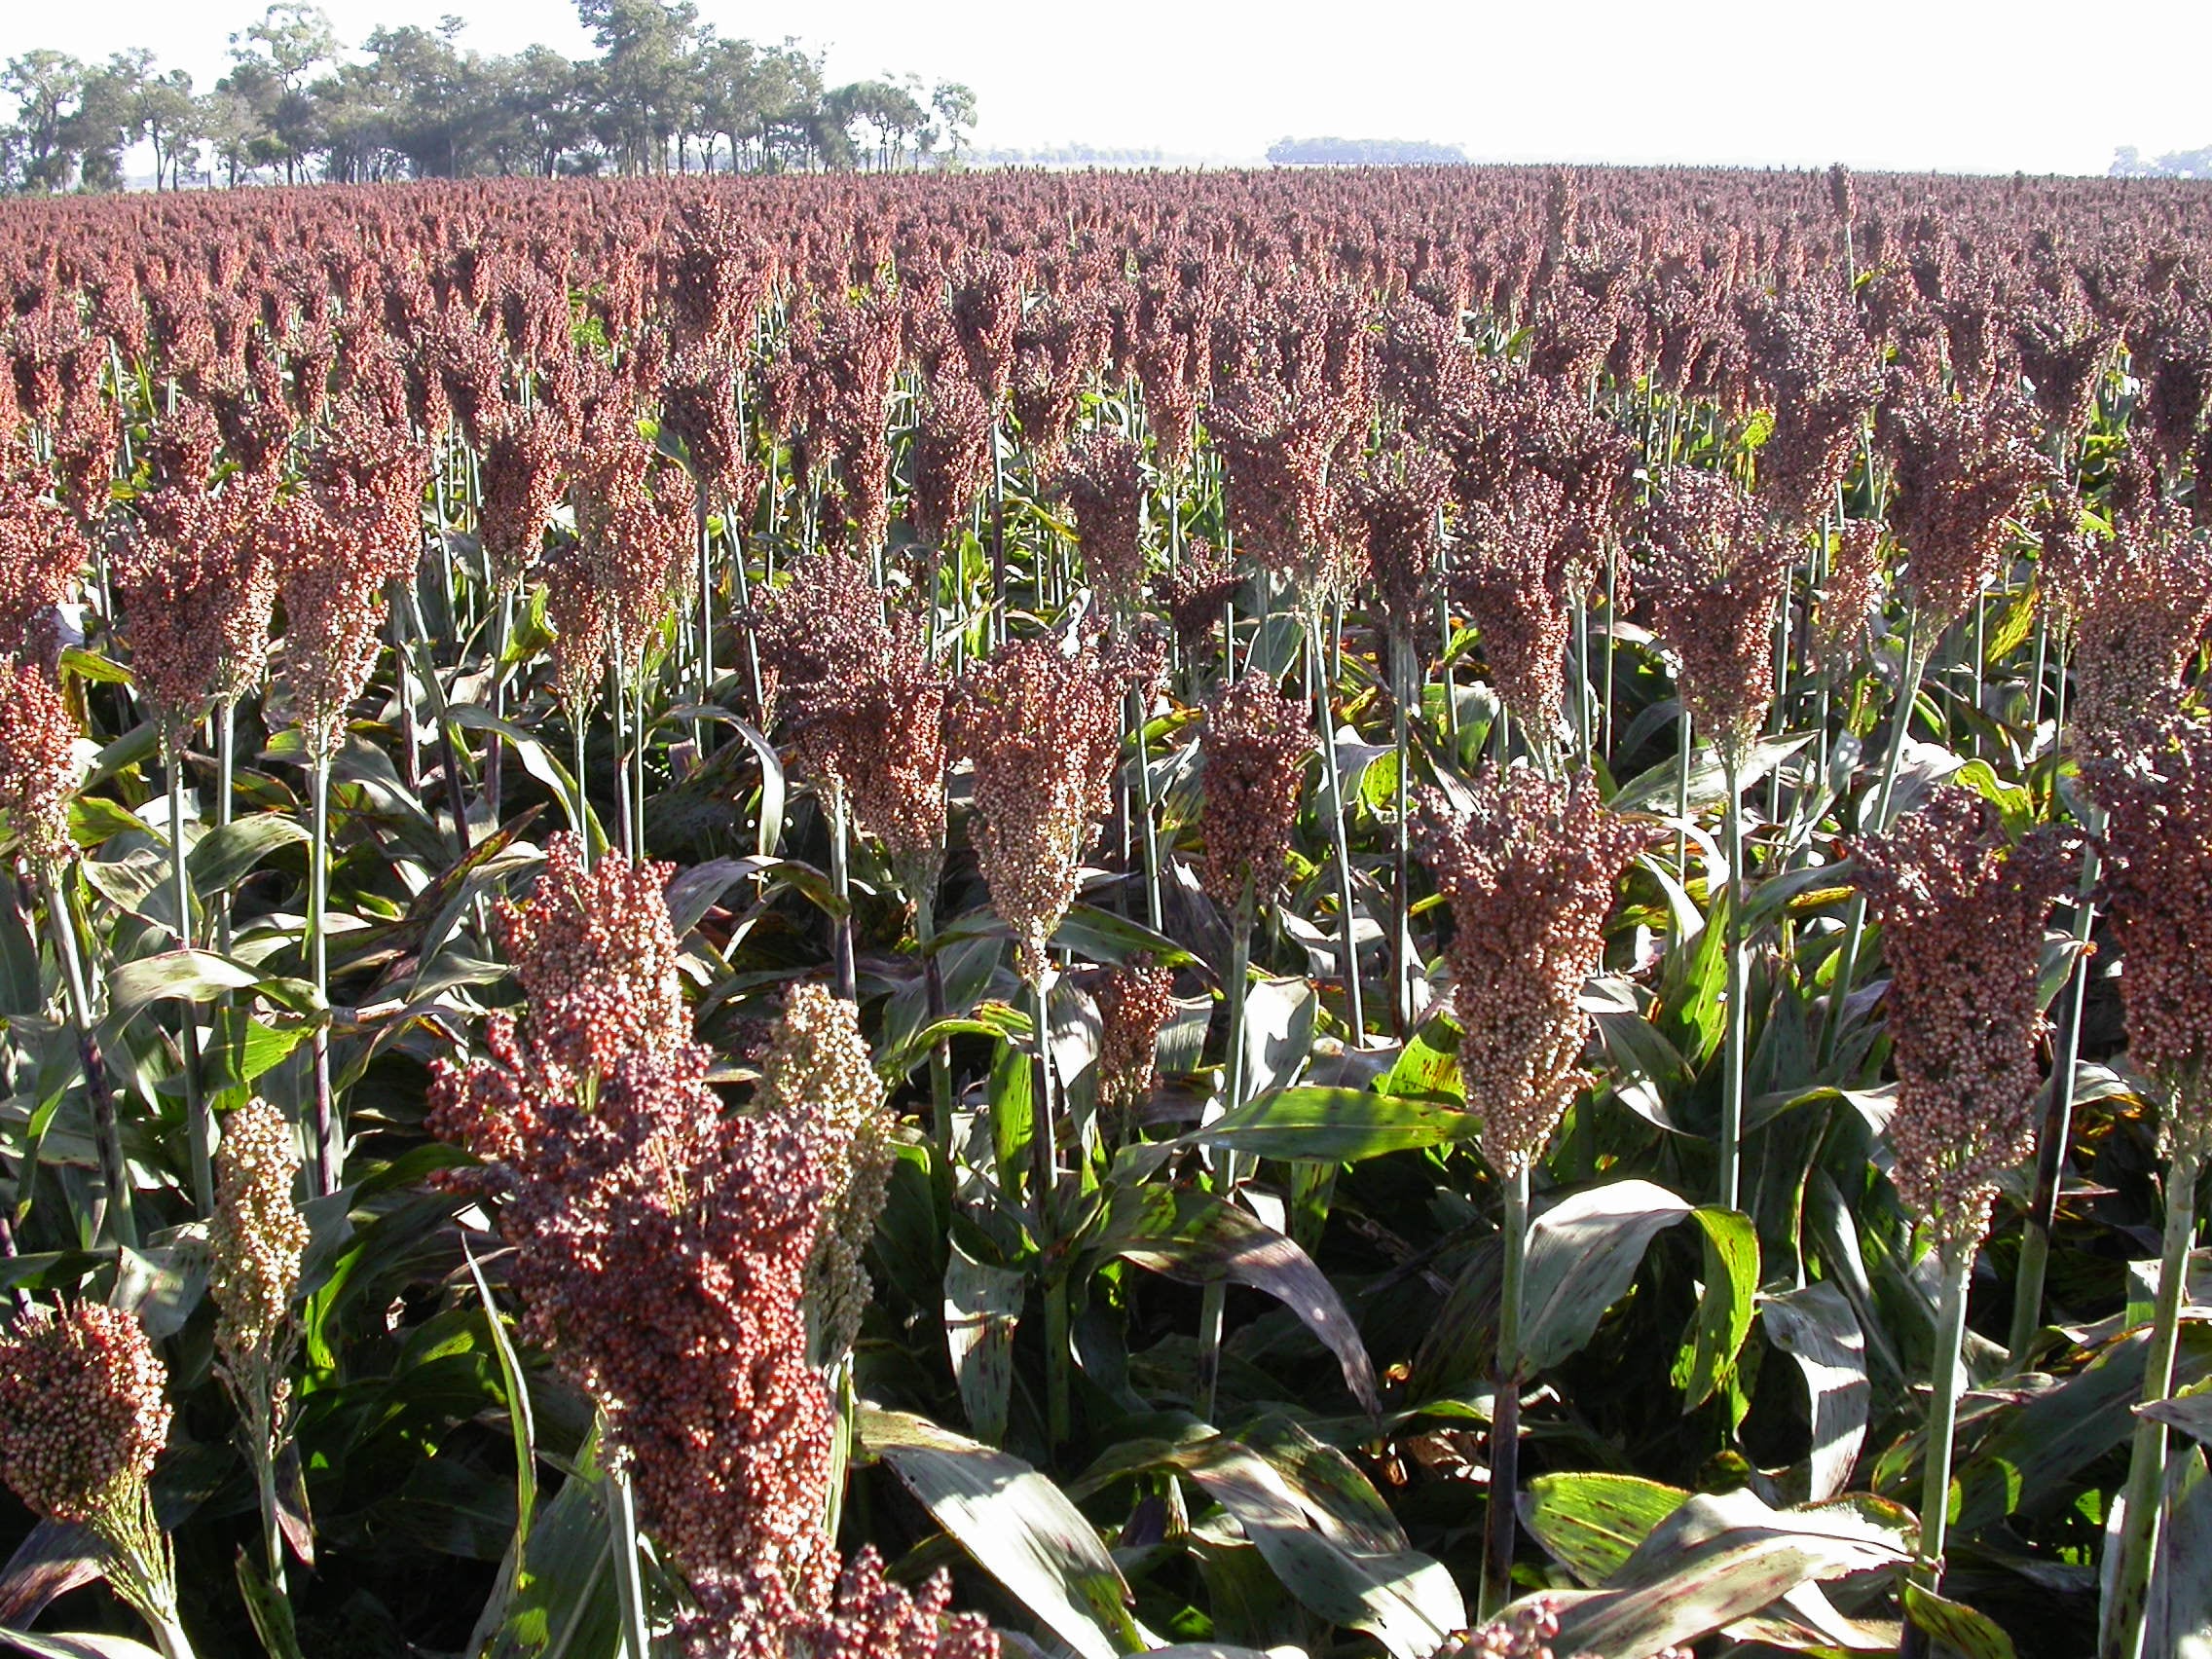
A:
x: 1962, y: 907
x: 1529, y: 873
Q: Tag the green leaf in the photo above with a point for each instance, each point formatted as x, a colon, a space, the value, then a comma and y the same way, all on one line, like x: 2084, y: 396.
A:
x: 96, y: 820
x: 768, y: 833
x: 1017, y: 1525
x: 1427, y: 1066
x: 222, y: 857
x: 2190, y: 1410
x: 562, y: 1603
x: 88, y: 665
x: 1405, y: 1599
x: 2032, y: 1452
x: 1971, y: 1635
x: 1583, y: 1253
x: 1654, y: 790
x: 194, y: 976
x: 1197, y: 1238
x: 1100, y: 935
x: 1816, y: 1327
x: 1592, y: 1522
x: 520, y: 1422
x: 1719, y: 1557
x: 1724, y: 1309
x: 982, y: 1305
x: 266, y: 1607
x: 1334, y: 1125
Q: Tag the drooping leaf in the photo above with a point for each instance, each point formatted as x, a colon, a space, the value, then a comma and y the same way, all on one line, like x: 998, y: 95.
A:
x: 1016, y: 1525
x: 1406, y: 1599
x: 222, y: 857
x: 982, y: 1305
x: 1719, y: 1557
x: 77, y: 1645
x: 1196, y: 1238
x: 1334, y: 1125
x: 1593, y: 1522
x: 1583, y: 1253
x: 1816, y: 1327
x: 1972, y: 1634
x: 1724, y: 1309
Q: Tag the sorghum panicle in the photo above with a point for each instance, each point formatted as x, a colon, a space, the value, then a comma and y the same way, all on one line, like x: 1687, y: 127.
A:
x: 1041, y: 729
x: 1135, y: 1001
x: 1254, y: 749
x: 1852, y: 599
x: 1506, y: 578
x: 2158, y: 890
x: 1717, y: 576
x: 1103, y: 486
x: 818, y: 1075
x: 1962, y: 909
x: 2146, y: 609
x: 37, y: 764
x: 84, y: 1411
x: 1529, y: 873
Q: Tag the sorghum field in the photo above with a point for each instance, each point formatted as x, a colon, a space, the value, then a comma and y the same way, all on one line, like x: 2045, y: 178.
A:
x: 1433, y: 914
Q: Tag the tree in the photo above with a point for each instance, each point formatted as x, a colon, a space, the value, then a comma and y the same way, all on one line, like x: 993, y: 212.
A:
x: 540, y: 99
x: 233, y: 124
x: 278, y: 54
x: 46, y: 87
x: 105, y: 120
x: 955, y: 107
x: 167, y: 116
x: 644, y: 45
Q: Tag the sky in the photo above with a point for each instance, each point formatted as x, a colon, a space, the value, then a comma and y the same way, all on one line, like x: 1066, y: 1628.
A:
x: 1951, y: 84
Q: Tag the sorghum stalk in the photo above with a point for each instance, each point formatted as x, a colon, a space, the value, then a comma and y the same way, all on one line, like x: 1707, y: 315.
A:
x: 1911, y: 666
x: 449, y: 750
x: 107, y: 1132
x: 1401, y: 925
x: 1332, y: 804
x: 840, y: 886
x: 1957, y: 1259
x: 327, y: 1134
x: 1735, y: 1031
x: 1214, y: 1302
x: 932, y: 993
x: 629, y: 1581
x: 2124, y: 1615
x: 196, y: 1126
x: 2057, y: 1125
x: 226, y: 771
x: 1151, y: 825
x: 1500, y: 1521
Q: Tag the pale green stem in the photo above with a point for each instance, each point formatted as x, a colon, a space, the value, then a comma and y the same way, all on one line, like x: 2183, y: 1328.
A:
x: 2121, y: 1631
x: 629, y: 1580
x: 1355, y: 1019
x: 107, y: 1131
x: 1944, y: 1385
x: 1912, y: 665
x: 1214, y: 1300
x: 1500, y: 1528
x: 197, y: 1129
x: 1734, y: 1032
x: 327, y: 1135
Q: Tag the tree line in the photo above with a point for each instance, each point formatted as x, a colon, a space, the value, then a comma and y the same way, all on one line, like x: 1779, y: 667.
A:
x: 667, y: 93
x: 1364, y: 153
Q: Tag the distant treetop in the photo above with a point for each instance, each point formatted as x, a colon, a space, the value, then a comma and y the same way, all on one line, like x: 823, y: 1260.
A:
x: 1364, y: 153
x: 2127, y: 161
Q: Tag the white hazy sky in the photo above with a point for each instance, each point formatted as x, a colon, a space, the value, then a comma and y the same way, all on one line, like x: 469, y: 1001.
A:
x: 1966, y: 84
